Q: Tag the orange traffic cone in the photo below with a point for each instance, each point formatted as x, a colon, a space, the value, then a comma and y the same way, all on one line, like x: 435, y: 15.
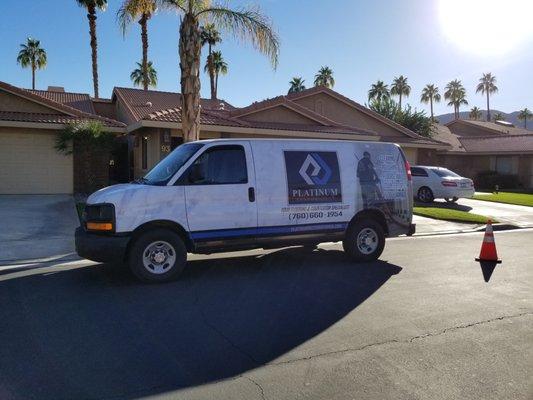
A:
x: 488, y: 248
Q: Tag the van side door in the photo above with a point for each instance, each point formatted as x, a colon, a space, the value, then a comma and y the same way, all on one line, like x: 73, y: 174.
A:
x: 220, y: 192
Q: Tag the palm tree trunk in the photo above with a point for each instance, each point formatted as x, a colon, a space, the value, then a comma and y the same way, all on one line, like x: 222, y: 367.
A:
x: 211, y: 73
x: 431, y: 106
x: 190, y: 51
x: 216, y: 85
x: 488, y: 108
x: 400, y: 101
x: 33, y: 75
x: 144, y: 38
x: 94, y: 47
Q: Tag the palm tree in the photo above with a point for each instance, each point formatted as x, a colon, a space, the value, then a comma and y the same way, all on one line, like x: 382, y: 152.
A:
x: 140, y: 77
x: 378, y: 91
x: 324, y: 77
x: 456, y: 94
x: 400, y: 88
x: 430, y: 94
x: 245, y: 23
x: 487, y: 85
x: 92, y: 6
x: 33, y: 55
x: 296, y: 85
x: 220, y: 67
x: 524, y: 115
x: 475, y: 113
x: 143, y: 10
x: 211, y: 37
x: 499, y: 116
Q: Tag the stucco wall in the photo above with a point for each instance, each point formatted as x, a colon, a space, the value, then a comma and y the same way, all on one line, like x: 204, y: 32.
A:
x: 343, y: 113
x: 278, y: 114
x: 10, y: 102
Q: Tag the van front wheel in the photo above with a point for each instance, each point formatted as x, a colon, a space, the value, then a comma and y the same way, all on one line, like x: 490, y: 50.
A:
x: 364, y: 240
x: 158, y: 255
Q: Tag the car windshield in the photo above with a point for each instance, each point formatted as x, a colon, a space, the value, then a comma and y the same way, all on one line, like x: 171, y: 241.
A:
x: 445, y: 173
x: 167, y: 167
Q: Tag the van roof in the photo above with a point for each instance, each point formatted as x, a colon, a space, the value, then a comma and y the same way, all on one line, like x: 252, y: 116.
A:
x: 294, y: 140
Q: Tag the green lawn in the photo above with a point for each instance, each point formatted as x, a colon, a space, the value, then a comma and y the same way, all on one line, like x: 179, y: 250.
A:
x: 521, y: 199
x: 450, y: 215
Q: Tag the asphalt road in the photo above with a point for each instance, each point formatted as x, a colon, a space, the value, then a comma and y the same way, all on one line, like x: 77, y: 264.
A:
x: 286, y: 324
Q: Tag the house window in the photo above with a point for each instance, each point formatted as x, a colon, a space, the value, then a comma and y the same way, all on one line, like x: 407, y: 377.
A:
x: 144, y: 152
x: 504, y: 165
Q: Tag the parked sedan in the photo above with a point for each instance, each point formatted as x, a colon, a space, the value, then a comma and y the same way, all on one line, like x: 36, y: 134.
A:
x: 431, y: 183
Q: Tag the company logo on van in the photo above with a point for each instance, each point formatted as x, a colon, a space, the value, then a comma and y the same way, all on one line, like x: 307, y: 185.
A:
x: 318, y: 165
x: 313, y: 177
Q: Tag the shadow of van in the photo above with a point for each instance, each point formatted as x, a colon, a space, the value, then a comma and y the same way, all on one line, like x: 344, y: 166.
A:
x: 95, y: 332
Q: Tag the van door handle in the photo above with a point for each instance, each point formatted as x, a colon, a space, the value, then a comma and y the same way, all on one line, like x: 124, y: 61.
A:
x: 251, y: 194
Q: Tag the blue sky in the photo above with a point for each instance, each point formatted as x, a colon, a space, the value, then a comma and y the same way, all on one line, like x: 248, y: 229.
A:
x: 362, y: 41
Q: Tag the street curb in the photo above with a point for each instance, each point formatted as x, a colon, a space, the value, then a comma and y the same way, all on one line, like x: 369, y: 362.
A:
x: 495, y: 227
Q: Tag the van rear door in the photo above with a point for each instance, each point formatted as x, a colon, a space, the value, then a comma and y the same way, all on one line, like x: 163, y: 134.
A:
x: 219, y: 192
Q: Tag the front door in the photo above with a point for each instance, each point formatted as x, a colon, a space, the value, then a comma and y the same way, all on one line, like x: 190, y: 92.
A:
x: 220, y: 193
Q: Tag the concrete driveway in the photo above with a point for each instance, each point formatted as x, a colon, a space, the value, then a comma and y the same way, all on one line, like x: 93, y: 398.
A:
x: 36, y: 227
x: 520, y: 216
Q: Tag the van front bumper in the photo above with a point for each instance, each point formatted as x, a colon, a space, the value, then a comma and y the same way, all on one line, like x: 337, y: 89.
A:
x: 101, y: 248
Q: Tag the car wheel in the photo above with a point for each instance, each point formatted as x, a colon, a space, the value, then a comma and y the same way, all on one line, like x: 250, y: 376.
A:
x: 425, y: 195
x: 158, y: 255
x: 364, y: 240
x: 452, y: 200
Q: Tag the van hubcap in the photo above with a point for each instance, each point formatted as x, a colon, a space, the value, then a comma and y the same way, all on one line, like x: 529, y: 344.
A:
x: 367, y: 241
x: 159, y: 257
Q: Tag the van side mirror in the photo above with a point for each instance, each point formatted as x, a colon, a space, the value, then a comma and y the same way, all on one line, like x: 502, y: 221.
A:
x: 196, y: 173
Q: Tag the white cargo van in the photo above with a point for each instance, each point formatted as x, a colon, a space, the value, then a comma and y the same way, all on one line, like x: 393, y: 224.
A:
x: 222, y: 195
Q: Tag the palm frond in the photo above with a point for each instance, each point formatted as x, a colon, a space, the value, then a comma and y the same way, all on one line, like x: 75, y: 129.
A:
x: 248, y: 25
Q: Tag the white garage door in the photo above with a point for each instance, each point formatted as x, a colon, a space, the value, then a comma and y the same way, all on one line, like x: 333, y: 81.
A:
x: 29, y: 164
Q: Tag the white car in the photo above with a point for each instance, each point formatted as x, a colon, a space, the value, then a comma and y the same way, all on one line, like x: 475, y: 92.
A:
x: 431, y: 183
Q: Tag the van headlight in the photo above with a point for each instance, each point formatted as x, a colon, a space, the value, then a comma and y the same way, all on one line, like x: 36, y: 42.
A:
x: 99, y: 217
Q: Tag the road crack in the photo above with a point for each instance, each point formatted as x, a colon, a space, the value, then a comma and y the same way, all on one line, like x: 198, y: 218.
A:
x: 261, y: 391
x: 400, y: 341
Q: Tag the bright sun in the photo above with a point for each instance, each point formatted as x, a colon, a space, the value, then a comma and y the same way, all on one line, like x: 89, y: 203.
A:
x: 487, y: 27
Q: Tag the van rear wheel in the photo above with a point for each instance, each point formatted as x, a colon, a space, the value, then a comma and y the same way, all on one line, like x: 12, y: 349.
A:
x: 158, y: 255
x: 364, y: 240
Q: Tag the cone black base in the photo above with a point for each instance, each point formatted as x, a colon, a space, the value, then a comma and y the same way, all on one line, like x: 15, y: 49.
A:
x: 494, y: 261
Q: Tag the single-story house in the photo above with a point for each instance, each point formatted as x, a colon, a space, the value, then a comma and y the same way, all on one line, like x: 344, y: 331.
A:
x: 29, y: 122
x: 479, y: 148
x: 151, y: 122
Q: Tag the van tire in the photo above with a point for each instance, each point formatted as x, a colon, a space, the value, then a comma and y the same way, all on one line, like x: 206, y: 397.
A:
x: 162, y: 243
x: 354, y: 243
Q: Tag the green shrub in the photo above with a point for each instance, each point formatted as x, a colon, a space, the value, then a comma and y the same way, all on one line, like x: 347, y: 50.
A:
x: 417, y: 121
x: 489, y: 179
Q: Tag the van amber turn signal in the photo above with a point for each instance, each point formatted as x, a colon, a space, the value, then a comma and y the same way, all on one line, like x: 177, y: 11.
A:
x: 99, y: 226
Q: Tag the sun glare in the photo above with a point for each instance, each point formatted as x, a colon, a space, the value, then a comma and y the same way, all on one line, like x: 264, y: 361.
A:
x: 487, y: 27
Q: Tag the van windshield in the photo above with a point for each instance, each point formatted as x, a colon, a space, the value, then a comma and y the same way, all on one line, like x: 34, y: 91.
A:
x: 168, y: 166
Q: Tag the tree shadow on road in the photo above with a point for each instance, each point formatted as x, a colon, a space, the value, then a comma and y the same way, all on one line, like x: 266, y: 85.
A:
x: 96, y: 333
x: 444, y: 204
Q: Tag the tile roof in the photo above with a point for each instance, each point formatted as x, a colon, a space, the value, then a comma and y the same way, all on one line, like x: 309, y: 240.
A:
x: 37, y: 117
x: 493, y: 128
x: 498, y: 144
x: 209, y: 117
x: 140, y: 103
x: 79, y: 101
x: 354, y: 104
x: 443, y: 134
x: 70, y: 113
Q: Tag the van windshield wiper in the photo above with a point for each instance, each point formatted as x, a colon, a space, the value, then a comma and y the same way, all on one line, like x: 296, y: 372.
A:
x: 140, y: 181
